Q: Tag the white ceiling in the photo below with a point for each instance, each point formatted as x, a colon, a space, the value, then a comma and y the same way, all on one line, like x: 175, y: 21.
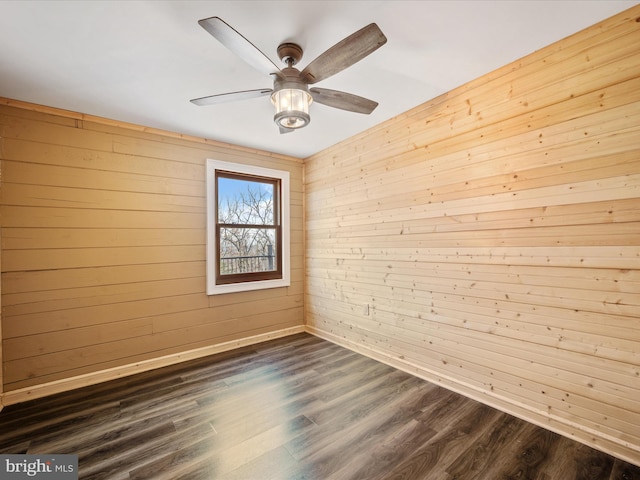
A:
x: 142, y: 61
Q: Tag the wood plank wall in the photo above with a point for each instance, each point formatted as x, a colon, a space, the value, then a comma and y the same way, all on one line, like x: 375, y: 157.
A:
x: 494, y: 233
x: 103, y: 247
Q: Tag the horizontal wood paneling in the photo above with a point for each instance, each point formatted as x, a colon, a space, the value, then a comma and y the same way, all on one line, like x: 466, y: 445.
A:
x: 103, y: 247
x: 489, y: 239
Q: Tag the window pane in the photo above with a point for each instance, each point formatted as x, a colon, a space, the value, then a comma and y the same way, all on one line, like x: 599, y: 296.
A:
x: 245, y: 202
x: 247, y: 250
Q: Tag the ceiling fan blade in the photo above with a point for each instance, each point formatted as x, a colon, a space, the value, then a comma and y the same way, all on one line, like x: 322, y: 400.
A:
x: 344, y: 54
x: 231, y: 97
x: 285, y: 130
x: 238, y: 44
x: 343, y: 101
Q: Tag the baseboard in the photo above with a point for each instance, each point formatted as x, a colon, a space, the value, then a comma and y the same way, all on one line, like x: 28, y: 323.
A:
x: 610, y: 445
x: 59, y: 386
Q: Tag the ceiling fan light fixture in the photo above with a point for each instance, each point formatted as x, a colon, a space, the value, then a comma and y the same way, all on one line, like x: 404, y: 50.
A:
x: 291, y: 95
x: 292, y: 107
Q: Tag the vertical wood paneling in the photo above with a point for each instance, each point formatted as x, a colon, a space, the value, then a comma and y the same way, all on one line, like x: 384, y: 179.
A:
x: 489, y: 240
x: 103, y: 247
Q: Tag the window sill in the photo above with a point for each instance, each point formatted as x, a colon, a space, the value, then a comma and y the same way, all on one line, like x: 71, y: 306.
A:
x: 247, y: 286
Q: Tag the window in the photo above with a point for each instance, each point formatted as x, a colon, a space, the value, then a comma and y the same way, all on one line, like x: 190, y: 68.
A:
x: 247, y: 227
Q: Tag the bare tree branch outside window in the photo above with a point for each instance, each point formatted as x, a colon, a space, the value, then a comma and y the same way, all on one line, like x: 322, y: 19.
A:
x: 247, y: 225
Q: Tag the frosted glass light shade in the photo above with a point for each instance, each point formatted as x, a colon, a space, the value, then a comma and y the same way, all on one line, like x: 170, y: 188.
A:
x: 292, y: 107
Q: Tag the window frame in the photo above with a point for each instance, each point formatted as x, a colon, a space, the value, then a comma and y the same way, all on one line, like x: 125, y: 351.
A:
x: 250, y: 281
x: 275, y: 226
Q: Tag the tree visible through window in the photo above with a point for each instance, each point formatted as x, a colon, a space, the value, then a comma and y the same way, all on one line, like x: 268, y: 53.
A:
x: 248, y: 228
x: 248, y: 234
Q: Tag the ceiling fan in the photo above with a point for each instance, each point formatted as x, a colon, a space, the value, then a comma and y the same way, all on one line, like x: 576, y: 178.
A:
x: 290, y: 94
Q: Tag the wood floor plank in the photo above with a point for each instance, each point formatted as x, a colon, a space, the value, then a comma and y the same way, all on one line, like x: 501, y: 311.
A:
x: 623, y: 471
x: 489, y: 449
x: 294, y: 408
x: 360, y: 432
x: 430, y: 459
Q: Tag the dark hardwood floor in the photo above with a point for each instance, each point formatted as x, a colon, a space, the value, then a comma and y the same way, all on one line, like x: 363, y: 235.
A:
x: 293, y: 408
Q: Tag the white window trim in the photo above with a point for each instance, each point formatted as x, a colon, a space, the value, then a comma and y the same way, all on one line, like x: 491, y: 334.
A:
x: 212, y: 247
